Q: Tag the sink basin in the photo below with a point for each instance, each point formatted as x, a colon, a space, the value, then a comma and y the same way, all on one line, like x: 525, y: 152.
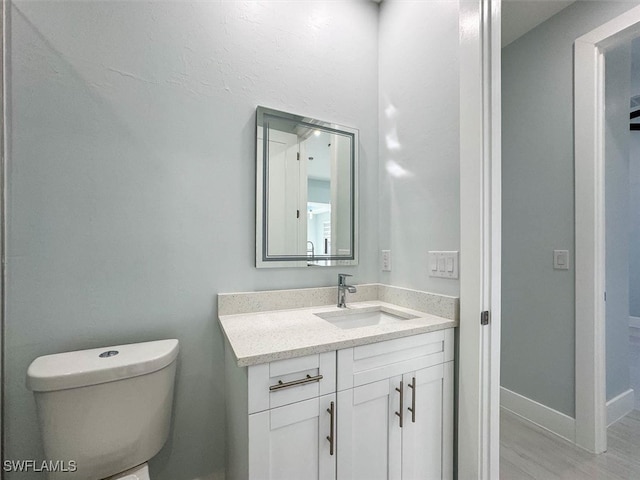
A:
x: 364, y: 317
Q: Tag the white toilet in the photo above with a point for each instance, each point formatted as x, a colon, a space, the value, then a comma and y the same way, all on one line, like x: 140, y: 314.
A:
x: 107, y: 410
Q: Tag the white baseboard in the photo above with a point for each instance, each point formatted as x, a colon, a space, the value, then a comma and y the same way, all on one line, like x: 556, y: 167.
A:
x: 620, y: 406
x: 556, y: 422
x: 634, y: 322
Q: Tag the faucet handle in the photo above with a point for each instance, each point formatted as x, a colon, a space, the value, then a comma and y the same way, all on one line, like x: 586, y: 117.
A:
x: 342, y: 277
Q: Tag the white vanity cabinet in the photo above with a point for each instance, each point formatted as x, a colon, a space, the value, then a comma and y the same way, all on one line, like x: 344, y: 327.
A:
x: 336, y: 415
x: 281, y: 419
x: 395, y: 409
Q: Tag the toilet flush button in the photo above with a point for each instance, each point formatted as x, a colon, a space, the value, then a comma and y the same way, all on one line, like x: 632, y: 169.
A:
x: 108, y: 353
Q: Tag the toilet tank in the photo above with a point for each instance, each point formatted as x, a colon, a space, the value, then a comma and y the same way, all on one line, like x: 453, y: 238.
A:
x: 105, y: 409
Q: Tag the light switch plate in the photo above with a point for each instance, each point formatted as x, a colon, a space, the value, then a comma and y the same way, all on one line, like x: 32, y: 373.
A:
x: 561, y: 259
x: 443, y: 264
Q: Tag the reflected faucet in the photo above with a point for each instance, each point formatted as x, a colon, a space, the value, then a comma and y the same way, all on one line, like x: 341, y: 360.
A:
x: 343, y: 288
x: 313, y: 250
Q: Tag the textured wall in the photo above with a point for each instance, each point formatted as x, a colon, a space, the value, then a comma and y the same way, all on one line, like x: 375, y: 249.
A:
x: 132, y: 178
x: 419, y: 139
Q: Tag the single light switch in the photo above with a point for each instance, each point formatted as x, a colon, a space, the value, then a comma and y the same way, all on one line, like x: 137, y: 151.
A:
x: 561, y: 259
x: 449, y: 264
x: 441, y: 267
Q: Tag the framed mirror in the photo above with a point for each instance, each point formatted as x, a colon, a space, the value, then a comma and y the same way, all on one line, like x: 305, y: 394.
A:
x: 306, y: 191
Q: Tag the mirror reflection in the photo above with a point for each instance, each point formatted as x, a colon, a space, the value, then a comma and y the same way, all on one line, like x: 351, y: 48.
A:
x: 306, y: 191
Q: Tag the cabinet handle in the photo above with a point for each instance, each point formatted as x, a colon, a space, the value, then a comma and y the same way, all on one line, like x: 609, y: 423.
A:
x: 330, y: 437
x: 401, y: 414
x: 412, y: 409
x: 293, y: 383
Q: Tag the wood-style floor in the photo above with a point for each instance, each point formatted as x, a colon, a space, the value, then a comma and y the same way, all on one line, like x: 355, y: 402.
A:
x: 528, y: 452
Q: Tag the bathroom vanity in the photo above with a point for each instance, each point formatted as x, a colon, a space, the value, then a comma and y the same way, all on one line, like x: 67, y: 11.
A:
x: 326, y: 393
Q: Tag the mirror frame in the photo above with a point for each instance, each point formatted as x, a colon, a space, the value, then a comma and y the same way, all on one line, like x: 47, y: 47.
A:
x: 263, y: 260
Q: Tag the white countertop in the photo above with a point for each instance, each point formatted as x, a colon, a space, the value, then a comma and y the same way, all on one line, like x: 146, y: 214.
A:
x: 263, y: 337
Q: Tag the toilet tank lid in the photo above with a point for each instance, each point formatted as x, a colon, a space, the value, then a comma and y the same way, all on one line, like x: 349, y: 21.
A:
x: 99, y: 365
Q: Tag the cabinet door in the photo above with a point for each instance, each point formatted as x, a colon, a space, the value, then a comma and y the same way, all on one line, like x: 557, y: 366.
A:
x: 290, y: 442
x: 427, y: 433
x: 369, y: 435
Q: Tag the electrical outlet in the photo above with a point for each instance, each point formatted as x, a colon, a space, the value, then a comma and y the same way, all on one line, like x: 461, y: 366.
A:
x: 386, y: 260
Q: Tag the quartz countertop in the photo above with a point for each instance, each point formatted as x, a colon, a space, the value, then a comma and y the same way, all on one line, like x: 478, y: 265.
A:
x: 262, y: 337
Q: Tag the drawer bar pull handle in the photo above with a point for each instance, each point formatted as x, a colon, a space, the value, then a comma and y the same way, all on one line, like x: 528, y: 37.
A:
x: 412, y: 386
x: 401, y: 391
x: 330, y: 437
x: 293, y: 383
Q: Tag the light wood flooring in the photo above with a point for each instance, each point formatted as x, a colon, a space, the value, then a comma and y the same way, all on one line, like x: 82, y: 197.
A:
x: 528, y: 452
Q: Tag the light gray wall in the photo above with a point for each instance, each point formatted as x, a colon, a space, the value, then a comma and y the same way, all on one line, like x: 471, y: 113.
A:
x: 319, y: 191
x: 634, y: 193
x: 419, y: 139
x: 617, y: 94
x: 538, y: 327
x: 634, y: 234
x: 131, y: 181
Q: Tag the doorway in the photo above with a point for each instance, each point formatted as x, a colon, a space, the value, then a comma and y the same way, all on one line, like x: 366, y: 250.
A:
x: 553, y: 374
x: 590, y: 225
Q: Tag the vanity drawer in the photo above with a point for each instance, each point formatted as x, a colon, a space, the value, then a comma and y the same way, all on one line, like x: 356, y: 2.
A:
x: 287, y: 381
x: 377, y: 361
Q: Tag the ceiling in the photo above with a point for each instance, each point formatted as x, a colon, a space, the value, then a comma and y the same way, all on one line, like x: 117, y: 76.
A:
x: 520, y: 16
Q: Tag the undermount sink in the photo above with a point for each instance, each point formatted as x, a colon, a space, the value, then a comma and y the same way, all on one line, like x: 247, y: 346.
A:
x: 364, y: 317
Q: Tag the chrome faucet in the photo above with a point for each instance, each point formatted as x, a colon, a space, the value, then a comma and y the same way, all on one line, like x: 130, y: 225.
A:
x: 343, y: 288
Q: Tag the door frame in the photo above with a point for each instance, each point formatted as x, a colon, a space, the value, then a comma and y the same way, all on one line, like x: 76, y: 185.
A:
x: 3, y: 214
x: 480, y: 239
x: 589, y: 84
